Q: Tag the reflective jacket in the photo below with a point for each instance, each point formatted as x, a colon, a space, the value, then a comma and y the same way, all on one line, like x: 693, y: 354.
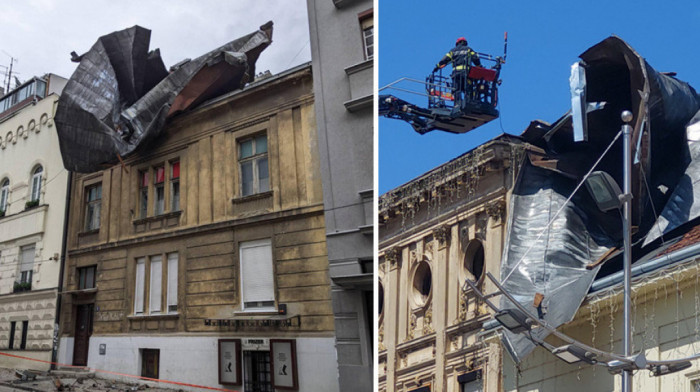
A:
x: 461, y: 56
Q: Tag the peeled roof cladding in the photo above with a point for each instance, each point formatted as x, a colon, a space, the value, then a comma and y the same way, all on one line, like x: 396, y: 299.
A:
x: 554, y: 263
x: 120, y: 95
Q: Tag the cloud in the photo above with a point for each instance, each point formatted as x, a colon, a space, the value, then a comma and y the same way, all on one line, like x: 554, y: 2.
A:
x: 44, y: 32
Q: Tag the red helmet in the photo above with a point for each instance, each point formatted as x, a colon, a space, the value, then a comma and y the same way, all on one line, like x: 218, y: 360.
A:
x: 461, y: 39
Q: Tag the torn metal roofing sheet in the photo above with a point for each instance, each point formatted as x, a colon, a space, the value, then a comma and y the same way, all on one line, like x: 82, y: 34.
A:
x: 553, y: 261
x: 120, y: 95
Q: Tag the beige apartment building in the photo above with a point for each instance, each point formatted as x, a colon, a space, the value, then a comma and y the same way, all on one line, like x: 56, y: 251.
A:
x: 202, y: 259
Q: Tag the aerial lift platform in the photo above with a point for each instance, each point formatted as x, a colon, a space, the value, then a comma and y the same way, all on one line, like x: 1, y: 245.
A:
x: 445, y: 112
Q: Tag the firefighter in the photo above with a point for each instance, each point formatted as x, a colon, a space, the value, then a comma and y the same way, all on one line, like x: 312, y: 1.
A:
x: 461, y: 57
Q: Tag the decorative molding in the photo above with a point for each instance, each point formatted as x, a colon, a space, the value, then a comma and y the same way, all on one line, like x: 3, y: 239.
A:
x: 482, y: 223
x: 442, y: 234
x: 381, y: 338
x: 23, y: 132
x: 428, y: 321
x: 496, y: 210
x: 411, y: 326
x: 393, y: 255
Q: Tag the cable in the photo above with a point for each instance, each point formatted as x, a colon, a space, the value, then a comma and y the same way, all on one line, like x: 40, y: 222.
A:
x: 562, y: 206
x: 298, y: 53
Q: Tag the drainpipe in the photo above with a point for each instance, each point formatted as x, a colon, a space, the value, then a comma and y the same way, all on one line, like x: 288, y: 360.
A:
x: 64, y: 245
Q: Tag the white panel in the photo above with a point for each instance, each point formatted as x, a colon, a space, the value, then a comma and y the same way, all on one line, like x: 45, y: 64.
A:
x: 155, y: 295
x: 172, y: 280
x: 140, y: 284
x: 257, y: 277
x: 27, y: 261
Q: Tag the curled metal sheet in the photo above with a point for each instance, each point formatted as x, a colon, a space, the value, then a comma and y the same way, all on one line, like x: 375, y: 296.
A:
x: 120, y: 95
x: 554, y: 263
x: 549, y: 261
x: 684, y: 203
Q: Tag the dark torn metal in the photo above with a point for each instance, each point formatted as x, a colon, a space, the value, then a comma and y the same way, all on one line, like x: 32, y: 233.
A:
x: 558, y: 261
x: 120, y: 96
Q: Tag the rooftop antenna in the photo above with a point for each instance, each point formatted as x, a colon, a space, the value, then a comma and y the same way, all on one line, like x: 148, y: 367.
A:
x: 8, y: 75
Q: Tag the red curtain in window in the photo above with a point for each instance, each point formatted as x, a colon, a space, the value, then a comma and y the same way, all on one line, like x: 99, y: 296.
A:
x: 176, y: 170
x: 160, y: 175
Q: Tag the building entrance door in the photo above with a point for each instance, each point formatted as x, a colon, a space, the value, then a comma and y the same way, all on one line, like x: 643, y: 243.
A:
x: 83, y: 330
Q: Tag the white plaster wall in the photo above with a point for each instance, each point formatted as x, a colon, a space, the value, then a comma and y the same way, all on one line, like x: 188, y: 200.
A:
x: 29, y: 138
x: 194, y: 359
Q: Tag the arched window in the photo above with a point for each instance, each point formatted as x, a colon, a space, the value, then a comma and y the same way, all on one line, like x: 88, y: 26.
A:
x: 36, y: 184
x: 4, y: 195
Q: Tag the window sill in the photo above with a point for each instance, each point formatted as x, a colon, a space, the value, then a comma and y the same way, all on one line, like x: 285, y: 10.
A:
x: 256, y: 196
x: 155, y: 218
x: 153, y: 316
x: 88, y: 233
x: 163, y: 221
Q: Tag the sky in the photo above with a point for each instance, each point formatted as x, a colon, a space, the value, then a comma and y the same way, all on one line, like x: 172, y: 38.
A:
x: 544, y: 39
x: 40, y: 34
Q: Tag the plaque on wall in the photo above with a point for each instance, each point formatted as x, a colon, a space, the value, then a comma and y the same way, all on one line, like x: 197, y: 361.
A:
x: 230, y: 361
x: 283, y: 358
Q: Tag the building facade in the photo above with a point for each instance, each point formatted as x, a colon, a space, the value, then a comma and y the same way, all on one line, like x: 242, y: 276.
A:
x: 203, y: 258
x: 33, y: 187
x: 435, y: 232
x: 342, y: 49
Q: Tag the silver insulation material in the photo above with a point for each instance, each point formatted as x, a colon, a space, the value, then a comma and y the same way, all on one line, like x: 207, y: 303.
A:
x: 577, y: 87
x: 120, y: 95
x: 549, y: 261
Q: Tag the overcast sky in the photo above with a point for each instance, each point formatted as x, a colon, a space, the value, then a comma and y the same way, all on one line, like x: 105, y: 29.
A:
x: 40, y: 34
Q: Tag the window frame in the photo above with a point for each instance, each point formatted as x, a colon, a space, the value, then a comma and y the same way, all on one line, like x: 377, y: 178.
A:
x: 83, y: 283
x: 243, y: 245
x: 366, y: 21
x: 148, y: 203
x: 152, y: 281
x: 4, y: 194
x: 36, y: 180
x: 87, y: 224
x: 254, y: 159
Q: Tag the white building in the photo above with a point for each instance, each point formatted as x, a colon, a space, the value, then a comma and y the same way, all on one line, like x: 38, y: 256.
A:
x: 33, y: 187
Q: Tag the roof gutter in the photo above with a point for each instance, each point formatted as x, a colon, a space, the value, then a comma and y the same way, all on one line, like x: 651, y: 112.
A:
x: 646, y: 267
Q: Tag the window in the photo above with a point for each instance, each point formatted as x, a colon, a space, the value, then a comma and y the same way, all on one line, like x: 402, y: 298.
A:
x: 165, y: 180
x: 86, y: 277
x: 140, y: 285
x: 256, y: 370
x: 23, y: 341
x: 153, y: 284
x: 257, y: 276
x: 36, y: 184
x: 93, y: 203
x: 155, y: 293
x: 4, y: 196
x: 11, y: 344
x: 252, y: 158
x: 150, y: 359
x: 25, y: 329
x: 175, y: 186
x: 367, y: 26
x: 159, y: 190
x: 26, y: 265
x: 172, y: 282
x: 143, y: 194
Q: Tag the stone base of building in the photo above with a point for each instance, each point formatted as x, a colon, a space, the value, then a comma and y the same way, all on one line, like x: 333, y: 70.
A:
x: 195, y: 359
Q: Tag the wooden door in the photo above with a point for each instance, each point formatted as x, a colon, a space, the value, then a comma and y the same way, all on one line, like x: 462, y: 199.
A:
x: 83, y: 330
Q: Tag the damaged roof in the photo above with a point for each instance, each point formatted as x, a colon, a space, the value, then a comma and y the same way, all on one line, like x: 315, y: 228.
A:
x: 120, y: 96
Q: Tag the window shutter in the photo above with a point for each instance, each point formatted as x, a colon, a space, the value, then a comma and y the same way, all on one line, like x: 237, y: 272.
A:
x: 140, y: 280
x: 257, y: 276
x: 27, y: 262
x: 156, y: 279
x: 172, y: 282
